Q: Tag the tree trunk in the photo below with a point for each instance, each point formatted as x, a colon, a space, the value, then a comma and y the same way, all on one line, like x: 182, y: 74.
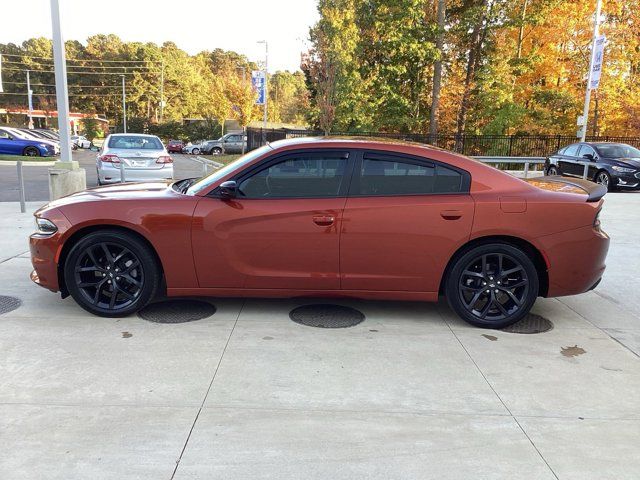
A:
x: 523, y: 16
x: 473, y: 60
x: 437, y: 73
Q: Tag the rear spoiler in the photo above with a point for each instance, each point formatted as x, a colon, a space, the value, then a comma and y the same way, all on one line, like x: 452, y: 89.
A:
x: 594, y: 191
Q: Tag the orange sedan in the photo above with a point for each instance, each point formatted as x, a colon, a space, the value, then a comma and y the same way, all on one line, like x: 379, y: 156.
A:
x: 329, y: 217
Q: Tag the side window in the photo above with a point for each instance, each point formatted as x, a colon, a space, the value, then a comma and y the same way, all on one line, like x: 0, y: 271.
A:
x: 585, y: 149
x: 572, y: 150
x: 401, y: 177
x: 232, y: 139
x: 300, y: 176
x: 5, y: 135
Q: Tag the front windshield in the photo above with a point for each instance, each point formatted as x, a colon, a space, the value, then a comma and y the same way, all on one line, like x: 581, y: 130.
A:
x: 618, y: 151
x: 213, y: 177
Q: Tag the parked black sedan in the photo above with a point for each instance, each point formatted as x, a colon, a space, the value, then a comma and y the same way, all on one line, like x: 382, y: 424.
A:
x: 614, y: 165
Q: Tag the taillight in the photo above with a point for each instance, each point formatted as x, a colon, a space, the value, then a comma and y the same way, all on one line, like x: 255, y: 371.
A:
x: 110, y: 158
x: 164, y: 159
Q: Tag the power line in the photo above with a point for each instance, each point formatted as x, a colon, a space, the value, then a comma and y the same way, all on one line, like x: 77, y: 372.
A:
x: 69, y: 71
x: 125, y: 68
x: 70, y: 86
x: 81, y: 59
x: 71, y: 94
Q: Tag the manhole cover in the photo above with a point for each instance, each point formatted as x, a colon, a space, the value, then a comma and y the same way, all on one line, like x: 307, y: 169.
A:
x: 8, y: 304
x: 326, y: 316
x: 532, y: 323
x: 177, y: 311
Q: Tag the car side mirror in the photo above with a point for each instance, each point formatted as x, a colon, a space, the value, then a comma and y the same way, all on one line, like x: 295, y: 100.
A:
x: 588, y: 156
x: 228, y: 189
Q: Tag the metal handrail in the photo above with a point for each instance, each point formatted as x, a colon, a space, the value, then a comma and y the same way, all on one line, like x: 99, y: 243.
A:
x: 530, y: 161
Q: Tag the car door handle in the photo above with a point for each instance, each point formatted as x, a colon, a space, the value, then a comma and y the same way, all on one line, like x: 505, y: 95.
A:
x: 324, y: 220
x: 451, y: 214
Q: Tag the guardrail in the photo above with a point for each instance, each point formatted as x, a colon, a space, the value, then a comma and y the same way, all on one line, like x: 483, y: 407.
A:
x: 527, y: 161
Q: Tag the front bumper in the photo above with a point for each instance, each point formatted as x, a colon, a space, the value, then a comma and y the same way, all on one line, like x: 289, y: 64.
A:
x: 46, y: 250
x: 627, y: 180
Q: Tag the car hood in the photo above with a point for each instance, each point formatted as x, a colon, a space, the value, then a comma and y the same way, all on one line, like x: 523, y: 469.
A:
x: 629, y: 162
x: 125, y: 191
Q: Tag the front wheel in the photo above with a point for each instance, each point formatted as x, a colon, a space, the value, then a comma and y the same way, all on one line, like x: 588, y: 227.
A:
x: 492, y: 285
x: 216, y: 151
x: 111, y: 273
x: 552, y: 170
x: 604, y: 179
x: 31, y: 152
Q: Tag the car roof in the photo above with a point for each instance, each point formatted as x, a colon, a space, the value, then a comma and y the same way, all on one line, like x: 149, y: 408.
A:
x: 354, y: 142
x: 132, y: 135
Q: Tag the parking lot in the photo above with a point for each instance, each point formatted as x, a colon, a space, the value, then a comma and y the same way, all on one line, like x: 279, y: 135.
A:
x: 410, y: 392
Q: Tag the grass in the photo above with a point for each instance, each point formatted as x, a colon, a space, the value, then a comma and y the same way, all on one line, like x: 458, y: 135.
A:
x: 15, y: 158
x: 224, y: 159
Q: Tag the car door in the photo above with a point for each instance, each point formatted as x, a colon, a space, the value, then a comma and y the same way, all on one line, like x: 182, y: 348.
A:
x: 232, y: 144
x: 568, y: 161
x: 9, y: 144
x: 587, y: 154
x: 281, y: 231
x: 404, y: 218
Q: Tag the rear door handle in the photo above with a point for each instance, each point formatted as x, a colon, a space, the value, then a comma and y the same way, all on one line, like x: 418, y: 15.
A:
x: 324, y: 220
x: 451, y: 214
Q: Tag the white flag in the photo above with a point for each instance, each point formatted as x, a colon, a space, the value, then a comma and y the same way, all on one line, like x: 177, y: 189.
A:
x: 1, y: 90
x: 596, y: 68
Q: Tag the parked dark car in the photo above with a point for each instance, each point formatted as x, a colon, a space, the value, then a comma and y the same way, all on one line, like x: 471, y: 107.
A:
x: 614, y: 165
x: 175, y: 146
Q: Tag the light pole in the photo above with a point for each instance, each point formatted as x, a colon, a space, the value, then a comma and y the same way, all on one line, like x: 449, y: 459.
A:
x: 62, y: 97
x: 266, y: 88
x: 30, y: 100
x: 587, y: 95
x: 124, y: 106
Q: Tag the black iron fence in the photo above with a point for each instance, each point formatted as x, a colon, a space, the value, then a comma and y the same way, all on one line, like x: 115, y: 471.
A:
x: 488, y: 145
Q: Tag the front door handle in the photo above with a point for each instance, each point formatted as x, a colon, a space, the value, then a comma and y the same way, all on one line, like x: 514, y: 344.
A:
x: 451, y: 214
x: 324, y: 220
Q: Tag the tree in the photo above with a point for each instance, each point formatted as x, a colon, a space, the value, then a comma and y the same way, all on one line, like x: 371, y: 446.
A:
x: 437, y: 71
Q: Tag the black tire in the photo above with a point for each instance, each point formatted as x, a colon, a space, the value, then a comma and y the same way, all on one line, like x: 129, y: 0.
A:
x: 552, y: 170
x: 31, y: 152
x: 196, y: 151
x: 216, y: 151
x: 603, y: 178
x: 479, y: 282
x: 90, y: 276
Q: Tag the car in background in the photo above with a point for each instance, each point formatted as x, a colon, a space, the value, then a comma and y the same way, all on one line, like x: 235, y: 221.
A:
x: 13, y: 144
x: 143, y: 158
x: 81, y: 141
x: 613, y: 165
x: 227, y: 144
x: 175, y: 146
x: 48, y: 133
x: 192, y: 149
x: 344, y: 217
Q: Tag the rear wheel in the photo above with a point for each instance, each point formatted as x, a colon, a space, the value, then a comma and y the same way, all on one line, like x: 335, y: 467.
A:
x: 492, y: 285
x: 31, y: 152
x: 111, y: 273
x: 196, y: 151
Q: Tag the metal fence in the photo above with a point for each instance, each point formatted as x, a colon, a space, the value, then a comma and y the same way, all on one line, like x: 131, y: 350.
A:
x: 485, y: 145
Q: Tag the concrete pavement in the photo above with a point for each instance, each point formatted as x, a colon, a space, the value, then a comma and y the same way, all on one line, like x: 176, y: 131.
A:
x: 411, y: 392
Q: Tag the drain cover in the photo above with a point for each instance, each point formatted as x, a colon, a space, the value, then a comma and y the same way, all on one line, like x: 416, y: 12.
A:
x: 8, y: 304
x: 531, y: 323
x: 326, y: 316
x: 177, y: 311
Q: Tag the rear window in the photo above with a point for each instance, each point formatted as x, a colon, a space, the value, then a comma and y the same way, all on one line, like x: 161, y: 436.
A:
x: 135, y: 142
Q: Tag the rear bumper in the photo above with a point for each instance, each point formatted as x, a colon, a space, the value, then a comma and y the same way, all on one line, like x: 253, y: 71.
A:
x: 576, y: 260
x: 110, y: 174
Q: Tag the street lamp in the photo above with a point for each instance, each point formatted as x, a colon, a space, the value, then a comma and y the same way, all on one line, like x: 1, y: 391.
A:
x: 124, y: 106
x: 266, y: 88
x: 62, y: 98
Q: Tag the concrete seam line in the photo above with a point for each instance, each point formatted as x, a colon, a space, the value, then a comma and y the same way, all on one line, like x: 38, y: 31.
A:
x: 215, y: 372
x: 498, y: 396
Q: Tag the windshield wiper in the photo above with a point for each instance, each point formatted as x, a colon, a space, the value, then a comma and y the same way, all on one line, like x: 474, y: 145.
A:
x: 185, y: 184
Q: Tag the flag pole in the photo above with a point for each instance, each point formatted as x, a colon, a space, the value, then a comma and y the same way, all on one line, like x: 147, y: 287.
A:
x: 587, y: 95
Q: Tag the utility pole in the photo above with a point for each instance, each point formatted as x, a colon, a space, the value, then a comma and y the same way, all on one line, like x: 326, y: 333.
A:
x: 30, y: 100
x: 124, y: 106
x: 62, y: 96
x: 587, y: 95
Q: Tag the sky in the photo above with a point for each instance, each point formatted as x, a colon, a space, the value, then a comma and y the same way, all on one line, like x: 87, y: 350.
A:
x: 193, y: 25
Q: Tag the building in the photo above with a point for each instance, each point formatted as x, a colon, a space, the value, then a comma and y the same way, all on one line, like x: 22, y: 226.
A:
x: 19, y: 117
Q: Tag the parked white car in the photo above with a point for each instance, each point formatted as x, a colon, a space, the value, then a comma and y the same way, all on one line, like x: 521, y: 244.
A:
x: 81, y: 141
x: 143, y: 158
x: 192, y: 149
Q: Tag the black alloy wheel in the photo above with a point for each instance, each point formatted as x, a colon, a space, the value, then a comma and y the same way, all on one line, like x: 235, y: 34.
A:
x: 111, y: 273
x: 31, y: 152
x: 492, y: 286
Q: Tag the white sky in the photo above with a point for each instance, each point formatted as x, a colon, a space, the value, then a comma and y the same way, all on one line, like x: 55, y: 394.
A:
x: 193, y: 25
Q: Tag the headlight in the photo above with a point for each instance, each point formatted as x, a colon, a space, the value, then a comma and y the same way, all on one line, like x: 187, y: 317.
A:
x: 45, y: 227
x: 623, y: 169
